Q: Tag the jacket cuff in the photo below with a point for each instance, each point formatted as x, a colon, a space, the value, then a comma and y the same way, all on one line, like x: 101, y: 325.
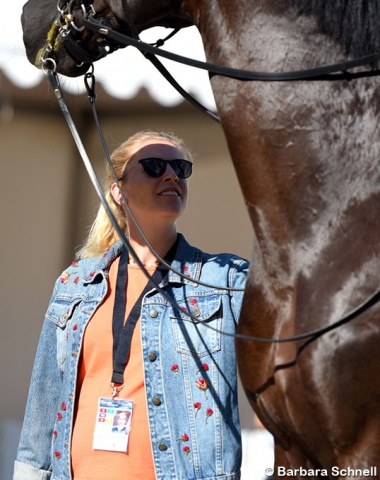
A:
x: 23, y: 471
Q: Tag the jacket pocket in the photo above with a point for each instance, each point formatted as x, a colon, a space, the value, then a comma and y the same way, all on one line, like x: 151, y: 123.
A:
x: 60, y: 312
x: 200, y: 337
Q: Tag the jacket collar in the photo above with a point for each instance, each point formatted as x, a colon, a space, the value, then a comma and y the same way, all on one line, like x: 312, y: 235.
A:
x: 188, y: 261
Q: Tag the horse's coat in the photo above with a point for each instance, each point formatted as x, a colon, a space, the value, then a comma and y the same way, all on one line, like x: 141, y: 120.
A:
x: 307, y: 158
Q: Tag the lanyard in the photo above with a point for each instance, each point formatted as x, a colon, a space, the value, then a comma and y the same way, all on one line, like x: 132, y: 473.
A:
x: 122, y: 332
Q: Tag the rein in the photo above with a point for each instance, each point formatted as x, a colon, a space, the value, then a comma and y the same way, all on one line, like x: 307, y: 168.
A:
x: 336, y: 71
x: 329, y: 72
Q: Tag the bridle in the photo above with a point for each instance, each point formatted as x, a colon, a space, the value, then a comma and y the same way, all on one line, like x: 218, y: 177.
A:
x: 109, y: 40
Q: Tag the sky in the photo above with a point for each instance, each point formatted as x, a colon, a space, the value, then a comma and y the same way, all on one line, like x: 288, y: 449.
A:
x: 122, y: 74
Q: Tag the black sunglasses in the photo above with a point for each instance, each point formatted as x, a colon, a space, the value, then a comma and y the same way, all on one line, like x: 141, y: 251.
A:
x: 156, y: 167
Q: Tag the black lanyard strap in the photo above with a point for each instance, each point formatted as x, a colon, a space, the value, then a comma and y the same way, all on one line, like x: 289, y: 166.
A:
x: 123, y: 332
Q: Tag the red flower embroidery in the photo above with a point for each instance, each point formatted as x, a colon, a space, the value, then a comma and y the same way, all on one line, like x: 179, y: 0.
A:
x: 209, y: 413
x: 63, y: 406
x: 202, y: 385
x: 75, y: 327
x: 197, y: 406
x: 65, y: 277
x: 55, y: 433
x: 185, y: 269
x: 74, y: 263
x: 76, y: 279
x: 175, y: 368
x: 183, y: 438
x: 59, y: 416
x: 204, y: 367
x: 57, y: 455
x: 195, y: 306
x: 92, y: 274
x: 186, y: 450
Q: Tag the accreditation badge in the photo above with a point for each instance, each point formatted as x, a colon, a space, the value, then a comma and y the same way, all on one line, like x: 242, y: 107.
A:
x: 113, y: 424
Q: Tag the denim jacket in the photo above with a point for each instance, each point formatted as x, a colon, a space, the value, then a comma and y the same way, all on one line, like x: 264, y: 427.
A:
x: 169, y: 338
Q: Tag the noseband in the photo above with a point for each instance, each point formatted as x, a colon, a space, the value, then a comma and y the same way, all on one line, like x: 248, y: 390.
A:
x: 65, y: 31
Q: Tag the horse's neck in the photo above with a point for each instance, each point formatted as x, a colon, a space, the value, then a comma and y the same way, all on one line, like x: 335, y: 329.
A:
x: 301, y: 153
x: 263, y: 35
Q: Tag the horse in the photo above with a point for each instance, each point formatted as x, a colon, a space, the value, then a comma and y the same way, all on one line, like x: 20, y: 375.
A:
x: 306, y: 154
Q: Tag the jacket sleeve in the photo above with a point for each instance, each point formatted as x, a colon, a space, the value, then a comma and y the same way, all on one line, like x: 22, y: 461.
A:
x: 34, y: 452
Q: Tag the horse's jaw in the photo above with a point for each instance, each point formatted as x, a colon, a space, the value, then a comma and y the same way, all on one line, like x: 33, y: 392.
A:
x: 43, y: 40
x: 37, y: 19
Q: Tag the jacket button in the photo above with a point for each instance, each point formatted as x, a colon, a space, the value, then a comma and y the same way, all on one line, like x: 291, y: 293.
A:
x: 156, y: 401
x: 162, y: 447
x: 152, y: 356
x: 153, y: 313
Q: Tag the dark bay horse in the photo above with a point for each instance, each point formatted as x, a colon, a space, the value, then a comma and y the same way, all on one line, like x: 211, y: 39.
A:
x: 307, y: 155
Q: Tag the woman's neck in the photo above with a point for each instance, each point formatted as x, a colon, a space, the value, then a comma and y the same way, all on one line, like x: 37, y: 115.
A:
x: 159, y: 238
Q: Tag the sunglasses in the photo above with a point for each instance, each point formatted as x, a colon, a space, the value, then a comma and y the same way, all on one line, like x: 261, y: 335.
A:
x: 156, y: 167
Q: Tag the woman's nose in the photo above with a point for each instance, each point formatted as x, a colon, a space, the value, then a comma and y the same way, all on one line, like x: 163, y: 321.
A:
x: 169, y: 174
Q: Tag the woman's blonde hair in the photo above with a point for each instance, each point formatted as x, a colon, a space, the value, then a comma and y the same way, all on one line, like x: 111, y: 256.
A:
x: 102, y: 234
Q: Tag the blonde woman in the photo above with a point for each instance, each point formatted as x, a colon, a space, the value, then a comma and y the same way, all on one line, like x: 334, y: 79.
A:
x: 111, y: 342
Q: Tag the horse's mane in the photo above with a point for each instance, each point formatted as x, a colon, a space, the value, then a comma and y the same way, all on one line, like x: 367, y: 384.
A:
x: 355, y: 24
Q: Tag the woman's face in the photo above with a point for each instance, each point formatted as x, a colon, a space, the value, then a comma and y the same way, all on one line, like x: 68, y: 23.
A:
x: 122, y: 419
x: 150, y: 198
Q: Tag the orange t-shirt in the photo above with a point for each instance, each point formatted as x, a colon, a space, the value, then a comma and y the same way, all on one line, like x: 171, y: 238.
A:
x: 94, y: 376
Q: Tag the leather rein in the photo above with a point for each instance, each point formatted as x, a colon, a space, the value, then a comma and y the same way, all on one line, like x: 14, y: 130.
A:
x: 111, y: 40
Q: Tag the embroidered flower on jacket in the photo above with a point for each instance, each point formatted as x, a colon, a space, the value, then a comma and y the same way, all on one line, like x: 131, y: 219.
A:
x: 185, y: 270
x: 209, y: 413
x: 75, y: 327
x: 55, y: 433
x: 57, y: 455
x: 174, y: 368
x: 63, y: 406
x: 202, y: 385
x: 194, y: 304
x: 74, y: 263
x: 59, y: 416
x: 183, y: 438
x: 197, y: 406
x: 65, y: 277
x: 186, y: 449
x: 204, y: 367
x: 76, y: 280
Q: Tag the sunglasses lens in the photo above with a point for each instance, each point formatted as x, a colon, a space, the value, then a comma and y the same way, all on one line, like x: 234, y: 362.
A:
x: 156, y: 167
x: 182, y: 168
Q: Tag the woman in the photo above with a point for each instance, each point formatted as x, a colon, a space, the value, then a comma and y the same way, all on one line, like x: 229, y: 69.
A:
x: 175, y: 376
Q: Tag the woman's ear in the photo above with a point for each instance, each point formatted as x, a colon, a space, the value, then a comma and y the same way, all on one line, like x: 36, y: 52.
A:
x: 116, y: 194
